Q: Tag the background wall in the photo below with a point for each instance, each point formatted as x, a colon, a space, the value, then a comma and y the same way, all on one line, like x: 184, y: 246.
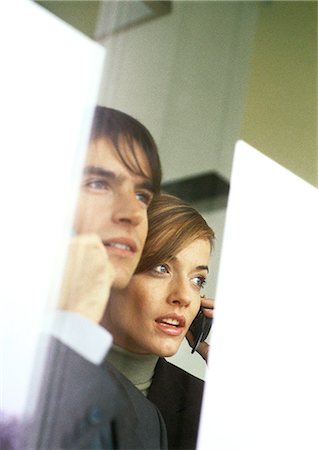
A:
x: 207, y: 74
x: 280, y: 115
x: 184, y: 76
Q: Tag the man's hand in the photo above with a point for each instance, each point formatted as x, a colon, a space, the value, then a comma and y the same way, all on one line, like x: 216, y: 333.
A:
x: 207, y: 305
x: 88, y: 277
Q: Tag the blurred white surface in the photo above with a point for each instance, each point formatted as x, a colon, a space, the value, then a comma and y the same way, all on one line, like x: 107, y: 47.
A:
x: 262, y: 390
x: 49, y: 81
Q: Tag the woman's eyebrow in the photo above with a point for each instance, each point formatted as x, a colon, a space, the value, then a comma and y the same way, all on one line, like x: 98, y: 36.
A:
x: 202, y: 268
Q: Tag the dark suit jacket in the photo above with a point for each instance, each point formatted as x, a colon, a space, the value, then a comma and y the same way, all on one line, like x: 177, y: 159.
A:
x: 140, y: 424
x: 84, y: 406
x: 178, y: 395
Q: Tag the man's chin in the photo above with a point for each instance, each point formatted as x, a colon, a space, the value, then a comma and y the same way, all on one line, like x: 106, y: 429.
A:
x: 122, y: 279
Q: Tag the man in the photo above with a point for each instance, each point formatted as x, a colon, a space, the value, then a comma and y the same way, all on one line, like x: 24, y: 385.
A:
x: 82, y: 403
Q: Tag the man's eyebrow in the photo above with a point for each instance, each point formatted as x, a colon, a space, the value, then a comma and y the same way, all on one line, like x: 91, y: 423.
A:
x: 100, y: 171
x: 96, y: 170
x: 146, y: 184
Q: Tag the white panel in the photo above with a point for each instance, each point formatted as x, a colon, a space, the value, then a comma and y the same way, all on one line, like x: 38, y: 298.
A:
x: 49, y: 82
x: 262, y: 390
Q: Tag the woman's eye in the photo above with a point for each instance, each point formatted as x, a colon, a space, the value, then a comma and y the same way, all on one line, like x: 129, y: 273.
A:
x: 160, y: 268
x: 199, y: 281
x: 144, y: 197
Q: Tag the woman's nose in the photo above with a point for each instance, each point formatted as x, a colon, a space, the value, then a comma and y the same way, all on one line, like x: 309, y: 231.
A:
x: 181, y: 293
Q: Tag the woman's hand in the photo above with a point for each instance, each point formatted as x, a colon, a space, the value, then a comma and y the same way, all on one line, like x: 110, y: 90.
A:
x: 87, y: 279
x: 207, y: 305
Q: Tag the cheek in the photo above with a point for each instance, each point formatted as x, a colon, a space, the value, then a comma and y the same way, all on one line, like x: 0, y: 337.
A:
x: 119, y: 314
x: 129, y: 303
x: 143, y: 229
x: 195, y: 307
x: 130, y: 318
x: 139, y: 301
x: 89, y: 213
x: 141, y: 297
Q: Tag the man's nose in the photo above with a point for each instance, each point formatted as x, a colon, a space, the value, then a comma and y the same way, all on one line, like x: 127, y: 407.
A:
x: 127, y: 209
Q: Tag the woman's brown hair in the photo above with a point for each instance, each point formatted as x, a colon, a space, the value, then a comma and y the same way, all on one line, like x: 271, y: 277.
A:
x: 173, y: 224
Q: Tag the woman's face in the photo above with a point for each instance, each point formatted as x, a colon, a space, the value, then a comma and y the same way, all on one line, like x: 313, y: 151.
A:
x: 153, y: 314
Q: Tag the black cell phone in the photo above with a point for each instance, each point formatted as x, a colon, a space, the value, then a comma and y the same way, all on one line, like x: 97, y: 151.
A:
x: 200, y: 328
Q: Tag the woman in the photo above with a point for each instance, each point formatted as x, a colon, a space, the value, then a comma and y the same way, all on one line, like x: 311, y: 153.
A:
x: 151, y: 317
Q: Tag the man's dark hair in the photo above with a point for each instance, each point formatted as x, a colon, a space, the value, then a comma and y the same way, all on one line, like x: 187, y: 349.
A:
x: 116, y: 125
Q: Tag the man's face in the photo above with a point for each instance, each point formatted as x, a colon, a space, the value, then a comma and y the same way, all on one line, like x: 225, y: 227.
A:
x: 113, y: 203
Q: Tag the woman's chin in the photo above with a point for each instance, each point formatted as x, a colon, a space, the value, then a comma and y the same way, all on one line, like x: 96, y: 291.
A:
x: 168, y: 351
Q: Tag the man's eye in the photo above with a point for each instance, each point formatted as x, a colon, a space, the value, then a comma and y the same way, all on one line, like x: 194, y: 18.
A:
x: 199, y: 281
x: 161, y: 268
x: 144, y: 197
x: 96, y: 184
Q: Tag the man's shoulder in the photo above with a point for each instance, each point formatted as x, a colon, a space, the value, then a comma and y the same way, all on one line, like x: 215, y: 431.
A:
x: 141, y: 416
x: 137, y: 401
x: 77, y: 401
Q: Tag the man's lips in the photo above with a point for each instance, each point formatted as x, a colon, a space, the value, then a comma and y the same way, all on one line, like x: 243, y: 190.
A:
x: 171, y: 324
x: 120, y: 245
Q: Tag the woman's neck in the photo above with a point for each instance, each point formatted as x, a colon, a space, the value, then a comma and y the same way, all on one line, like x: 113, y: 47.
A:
x: 139, y: 369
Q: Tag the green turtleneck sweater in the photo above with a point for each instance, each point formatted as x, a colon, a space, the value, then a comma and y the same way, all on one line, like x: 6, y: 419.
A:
x: 139, y: 369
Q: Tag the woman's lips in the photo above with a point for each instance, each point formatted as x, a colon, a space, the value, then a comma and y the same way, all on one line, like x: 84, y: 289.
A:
x: 172, y: 325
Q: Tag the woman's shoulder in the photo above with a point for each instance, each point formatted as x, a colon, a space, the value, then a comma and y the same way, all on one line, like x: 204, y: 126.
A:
x: 165, y: 369
x: 182, y: 391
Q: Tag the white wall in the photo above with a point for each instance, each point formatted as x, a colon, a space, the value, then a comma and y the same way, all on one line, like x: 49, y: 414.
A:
x: 184, y: 76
